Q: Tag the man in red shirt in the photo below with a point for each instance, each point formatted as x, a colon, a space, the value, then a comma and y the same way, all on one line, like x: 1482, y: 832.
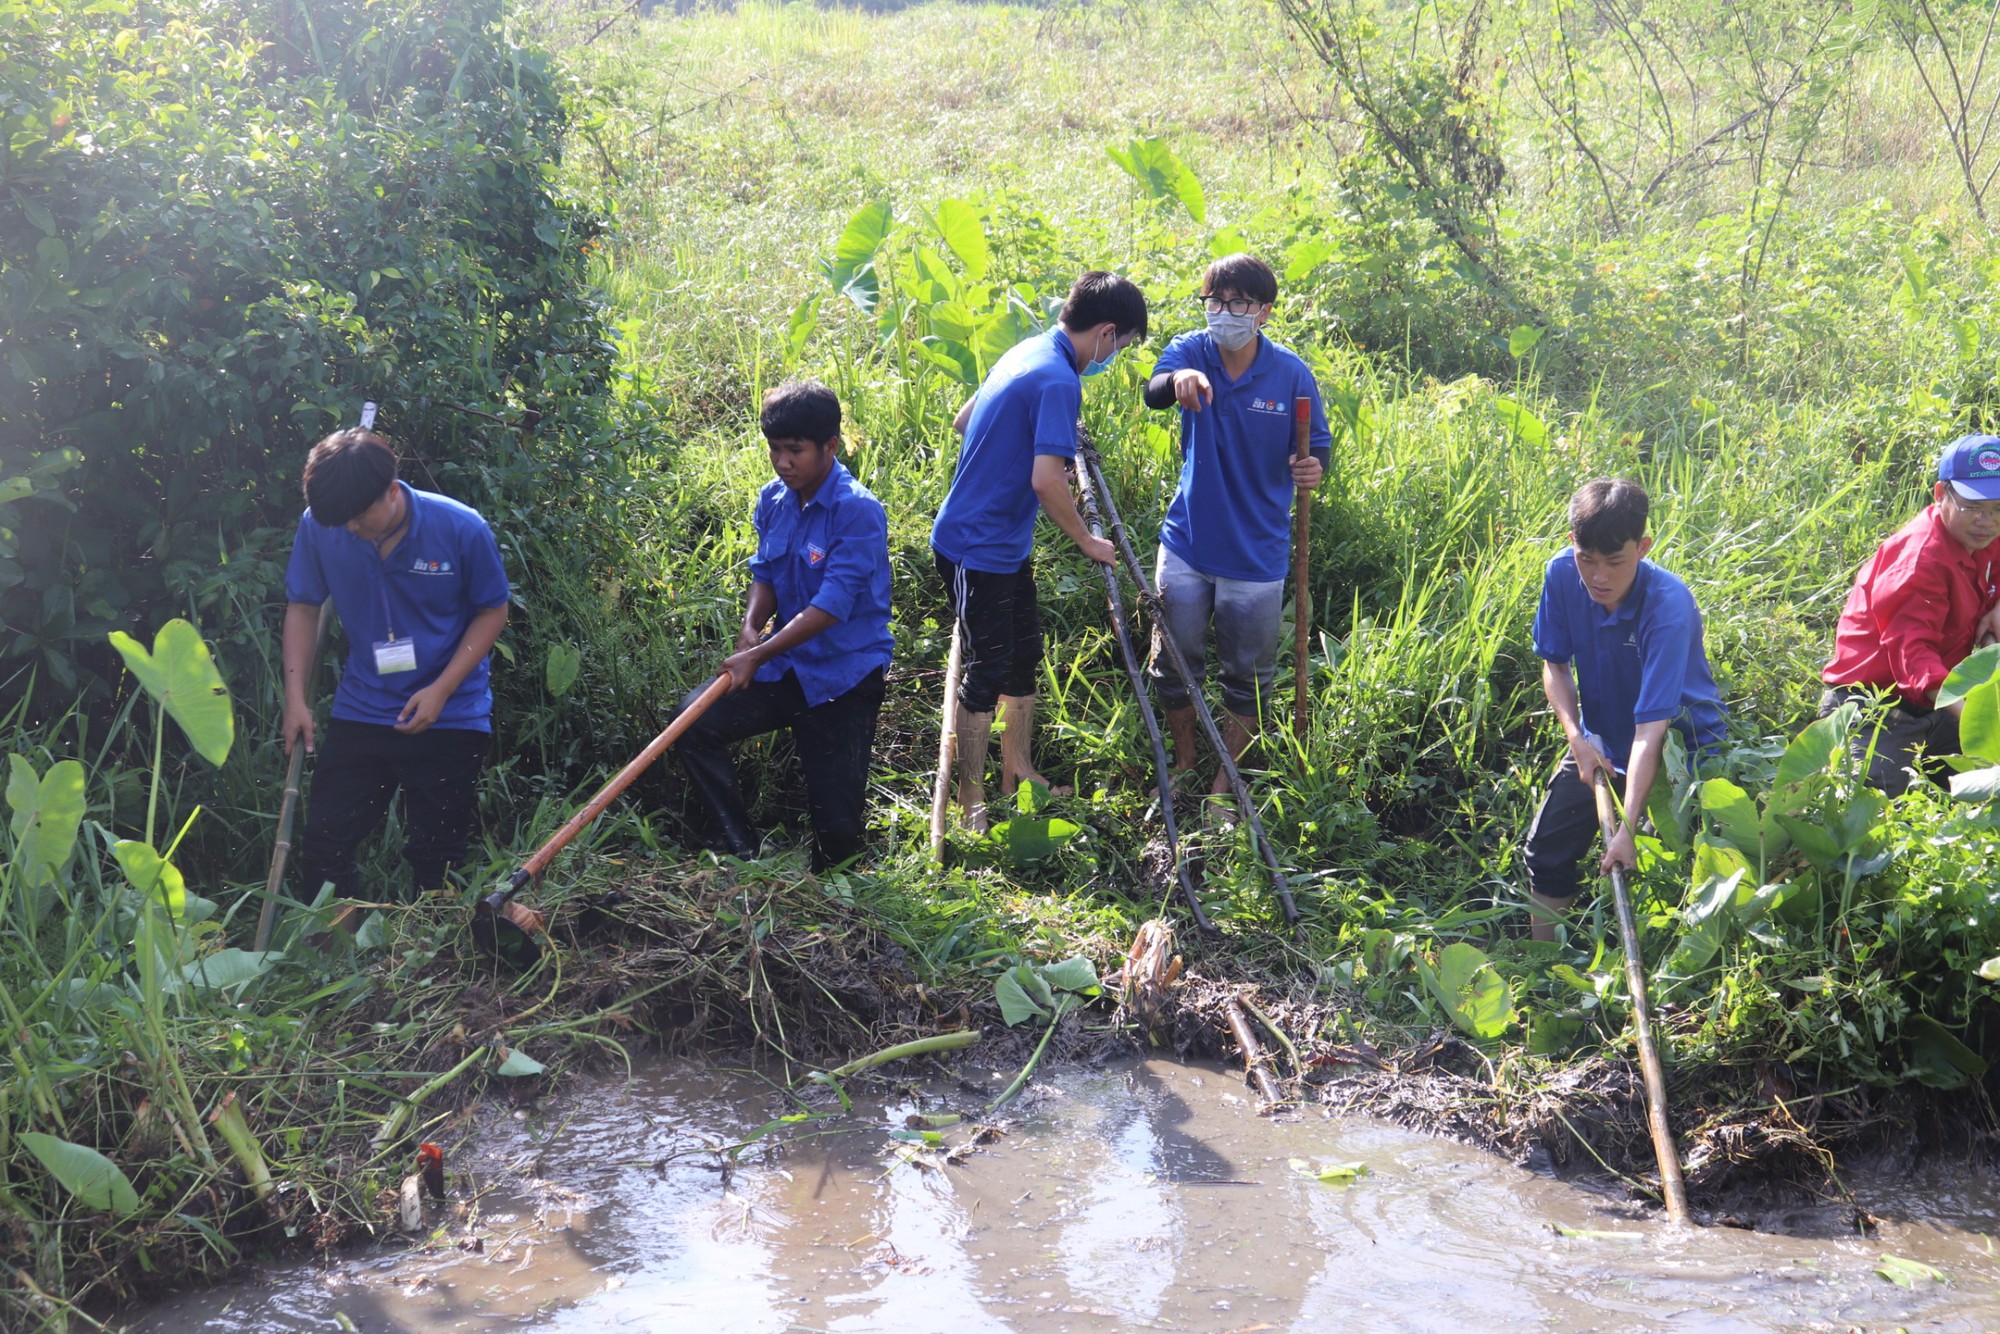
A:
x: 1919, y: 605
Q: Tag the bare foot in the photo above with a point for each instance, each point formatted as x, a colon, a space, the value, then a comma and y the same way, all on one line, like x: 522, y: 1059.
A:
x: 972, y: 806
x: 1177, y: 777
x: 1008, y: 782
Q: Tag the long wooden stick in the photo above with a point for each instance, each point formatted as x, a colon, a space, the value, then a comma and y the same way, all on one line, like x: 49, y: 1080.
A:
x: 1150, y: 597
x: 288, y: 807
x: 947, y: 743
x: 1301, y: 583
x: 1672, y: 1189
x: 1094, y: 521
x: 542, y: 856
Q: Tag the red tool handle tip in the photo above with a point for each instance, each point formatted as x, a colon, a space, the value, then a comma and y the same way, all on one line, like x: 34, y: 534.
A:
x: 1302, y: 409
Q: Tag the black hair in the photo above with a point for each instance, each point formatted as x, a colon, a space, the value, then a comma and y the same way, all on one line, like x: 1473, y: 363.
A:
x: 1099, y: 296
x: 801, y: 410
x: 346, y: 473
x: 1607, y: 513
x: 1243, y: 274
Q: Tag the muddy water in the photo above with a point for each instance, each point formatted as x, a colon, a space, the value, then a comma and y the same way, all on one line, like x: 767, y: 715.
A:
x: 1146, y: 1196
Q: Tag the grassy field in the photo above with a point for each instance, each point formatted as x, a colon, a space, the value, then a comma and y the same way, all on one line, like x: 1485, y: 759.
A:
x: 1721, y: 248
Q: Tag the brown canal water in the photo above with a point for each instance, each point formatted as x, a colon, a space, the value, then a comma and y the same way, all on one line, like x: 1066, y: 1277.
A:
x: 1141, y: 1196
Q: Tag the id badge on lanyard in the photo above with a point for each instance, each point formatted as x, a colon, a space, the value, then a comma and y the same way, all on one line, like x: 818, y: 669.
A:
x: 392, y: 655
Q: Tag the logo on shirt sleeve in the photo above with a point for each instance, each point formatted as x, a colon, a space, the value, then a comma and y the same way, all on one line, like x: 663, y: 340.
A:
x: 815, y: 553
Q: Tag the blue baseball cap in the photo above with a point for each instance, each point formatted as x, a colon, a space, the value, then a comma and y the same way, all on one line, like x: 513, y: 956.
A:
x: 1972, y: 465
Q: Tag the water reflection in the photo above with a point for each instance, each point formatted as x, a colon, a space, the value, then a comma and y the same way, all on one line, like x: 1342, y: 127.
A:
x: 1147, y: 1196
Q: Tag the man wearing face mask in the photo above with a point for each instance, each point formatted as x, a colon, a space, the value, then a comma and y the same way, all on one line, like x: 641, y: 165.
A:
x: 1020, y: 436
x: 1225, y: 543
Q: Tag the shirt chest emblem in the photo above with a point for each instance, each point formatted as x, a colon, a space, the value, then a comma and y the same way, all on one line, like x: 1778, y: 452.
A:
x: 815, y: 554
x: 1269, y: 406
x: 422, y: 566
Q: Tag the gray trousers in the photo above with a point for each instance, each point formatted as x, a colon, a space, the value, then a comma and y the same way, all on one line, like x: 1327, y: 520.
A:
x: 1903, y: 731
x: 1246, y: 618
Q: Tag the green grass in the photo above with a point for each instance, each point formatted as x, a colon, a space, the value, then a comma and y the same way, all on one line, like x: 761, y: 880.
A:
x: 1779, y: 376
x: 1783, y: 425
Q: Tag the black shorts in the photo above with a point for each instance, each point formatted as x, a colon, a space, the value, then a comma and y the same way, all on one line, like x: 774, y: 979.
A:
x: 1000, y: 632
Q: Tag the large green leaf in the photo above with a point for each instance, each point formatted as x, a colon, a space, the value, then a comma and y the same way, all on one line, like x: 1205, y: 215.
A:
x: 229, y: 968
x: 181, y: 675
x: 151, y: 874
x: 1705, y: 924
x: 1937, y: 1057
x: 1979, y: 722
x: 1813, y: 749
x: 1077, y: 974
x: 1022, y: 995
x: 560, y: 672
x: 1521, y: 421
x: 96, y: 1181
x: 852, y: 268
x: 1734, y: 816
x: 1976, y: 668
x: 958, y: 223
x: 47, y: 810
x: 1161, y: 175
x: 1819, y: 845
x: 1473, y: 992
x: 1978, y: 785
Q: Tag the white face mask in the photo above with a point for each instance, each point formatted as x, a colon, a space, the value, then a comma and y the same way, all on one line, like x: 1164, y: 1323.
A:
x: 1231, y: 331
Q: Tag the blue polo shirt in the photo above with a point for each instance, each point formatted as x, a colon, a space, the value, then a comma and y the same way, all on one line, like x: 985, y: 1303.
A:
x: 445, y: 569
x: 1028, y: 406
x: 1231, y: 517
x: 1639, y: 664
x: 831, y: 553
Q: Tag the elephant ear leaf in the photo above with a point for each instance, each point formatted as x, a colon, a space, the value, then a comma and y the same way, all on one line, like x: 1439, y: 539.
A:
x: 181, y: 675
x: 96, y: 1181
x: 47, y: 810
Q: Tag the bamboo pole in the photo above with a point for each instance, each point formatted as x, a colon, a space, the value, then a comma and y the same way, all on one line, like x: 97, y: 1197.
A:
x: 1182, y: 875
x: 1301, y: 582
x: 288, y: 807
x: 947, y: 742
x: 1151, y: 599
x: 1672, y: 1189
x: 1255, y: 1061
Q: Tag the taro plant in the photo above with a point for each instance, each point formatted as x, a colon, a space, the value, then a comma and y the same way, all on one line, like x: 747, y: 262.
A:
x: 1041, y: 993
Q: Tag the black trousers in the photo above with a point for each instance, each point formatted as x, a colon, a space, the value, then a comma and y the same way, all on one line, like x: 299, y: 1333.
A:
x: 1000, y: 632
x: 834, y: 741
x: 355, y: 776
x: 1562, y: 832
x: 1903, y: 730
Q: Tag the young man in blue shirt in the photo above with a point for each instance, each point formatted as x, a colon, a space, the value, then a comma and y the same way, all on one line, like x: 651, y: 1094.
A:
x: 1020, y: 436
x: 1633, y: 634
x: 1225, y: 544
x: 821, y: 577
x: 421, y: 592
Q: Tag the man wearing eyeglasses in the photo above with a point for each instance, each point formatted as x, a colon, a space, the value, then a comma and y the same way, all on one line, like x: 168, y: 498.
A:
x: 1918, y: 607
x: 1226, y: 539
